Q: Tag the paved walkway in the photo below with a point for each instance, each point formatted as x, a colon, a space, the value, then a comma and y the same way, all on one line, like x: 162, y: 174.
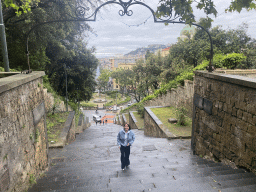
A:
x: 92, y: 163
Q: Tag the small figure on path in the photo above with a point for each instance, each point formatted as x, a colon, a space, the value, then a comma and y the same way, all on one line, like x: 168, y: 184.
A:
x: 106, y: 121
x: 103, y: 121
x: 96, y: 122
x: 100, y: 122
x: 125, y: 139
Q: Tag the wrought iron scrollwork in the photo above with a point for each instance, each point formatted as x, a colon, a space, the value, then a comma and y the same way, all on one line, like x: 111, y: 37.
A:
x: 82, y: 11
x: 125, y: 6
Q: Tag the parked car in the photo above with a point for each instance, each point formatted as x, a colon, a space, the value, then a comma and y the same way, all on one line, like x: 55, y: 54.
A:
x: 96, y: 118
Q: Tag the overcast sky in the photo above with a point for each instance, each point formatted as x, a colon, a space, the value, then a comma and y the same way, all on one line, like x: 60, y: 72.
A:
x: 115, y: 34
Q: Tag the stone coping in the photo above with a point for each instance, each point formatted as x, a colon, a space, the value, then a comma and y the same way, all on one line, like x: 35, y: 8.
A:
x: 13, y: 81
x: 133, y: 117
x: 234, y: 79
x: 124, y: 118
x: 236, y: 71
x: 64, y: 133
x: 120, y: 120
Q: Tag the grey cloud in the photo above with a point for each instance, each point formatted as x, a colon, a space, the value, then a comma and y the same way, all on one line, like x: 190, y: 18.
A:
x: 115, y: 36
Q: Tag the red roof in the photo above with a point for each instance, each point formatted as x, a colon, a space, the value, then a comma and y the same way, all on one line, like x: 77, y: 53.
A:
x: 166, y: 49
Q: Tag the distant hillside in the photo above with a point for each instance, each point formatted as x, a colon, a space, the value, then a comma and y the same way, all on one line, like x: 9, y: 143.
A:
x: 143, y: 50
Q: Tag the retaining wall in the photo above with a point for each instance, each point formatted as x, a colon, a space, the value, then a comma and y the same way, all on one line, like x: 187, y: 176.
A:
x: 132, y: 120
x: 124, y: 119
x: 153, y: 126
x: 52, y: 104
x: 175, y: 97
x: 23, y: 132
x: 224, y: 119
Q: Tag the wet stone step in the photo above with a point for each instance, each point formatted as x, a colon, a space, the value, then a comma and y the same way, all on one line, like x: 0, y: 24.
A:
x: 188, y: 187
x: 248, y: 188
x: 228, y: 172
x: 233, y: 176
x: 197, y: 170
x: 56, y: 186
x: 170, y: 181
x: 65, y: 181
x: 235, y: 183
x: 127, y: 187
x: 93, y: 164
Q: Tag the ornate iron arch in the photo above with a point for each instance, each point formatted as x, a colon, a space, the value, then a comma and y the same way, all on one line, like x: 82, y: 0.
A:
x: 82, y: 9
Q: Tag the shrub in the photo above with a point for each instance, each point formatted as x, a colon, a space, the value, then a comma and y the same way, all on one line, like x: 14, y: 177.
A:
x: 218, y: 60
x: 232, y: 60
x: 112, y: 94
x: 181, y: 113
x: 140, y: 109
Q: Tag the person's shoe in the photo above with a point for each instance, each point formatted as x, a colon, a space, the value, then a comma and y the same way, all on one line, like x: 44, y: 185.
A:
x: 123, y: 169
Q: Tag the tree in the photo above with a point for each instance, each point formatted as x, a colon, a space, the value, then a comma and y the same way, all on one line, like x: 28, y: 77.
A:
x: 123, y: 79
x: 103, y: 79
x: 16, y: 8
x: 183, y: 8
x: 153, y: 68
x: 140, y: 83
x: 80, y: 74
x: 148, y: 54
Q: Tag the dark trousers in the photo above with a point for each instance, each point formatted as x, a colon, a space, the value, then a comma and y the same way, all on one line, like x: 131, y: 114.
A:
x: 125, y: 153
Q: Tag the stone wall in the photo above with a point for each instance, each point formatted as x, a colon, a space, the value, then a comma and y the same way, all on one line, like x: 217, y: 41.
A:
x: 69, y: 130
x: 23, y: 133
x: 51, y: 103
x: 124, y: 119
x: 224, y: 119
x: 152, y: 125
x: 175, y: 97
x: 120, y: 118
x: 132, y: 120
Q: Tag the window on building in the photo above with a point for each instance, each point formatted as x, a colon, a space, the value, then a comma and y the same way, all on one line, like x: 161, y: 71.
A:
x: 117, y: 86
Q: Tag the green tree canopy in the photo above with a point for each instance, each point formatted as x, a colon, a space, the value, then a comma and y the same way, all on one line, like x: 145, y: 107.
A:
x: 103, y: 79
x: 184, y: 10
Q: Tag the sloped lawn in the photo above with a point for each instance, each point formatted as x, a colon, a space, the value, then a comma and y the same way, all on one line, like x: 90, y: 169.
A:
x: 140, y: 120
x: 165, y: 113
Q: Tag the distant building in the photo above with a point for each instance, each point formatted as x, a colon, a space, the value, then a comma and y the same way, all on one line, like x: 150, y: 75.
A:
x: 121, y: 63
x: 165, y: 52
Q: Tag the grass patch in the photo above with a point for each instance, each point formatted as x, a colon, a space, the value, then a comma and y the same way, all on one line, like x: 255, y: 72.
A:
x: 120, y: 100
x: 140, y: 120
x: 169, y: 112
x: 88, y: 104
x: 55, y: 123
x: 127, y: 117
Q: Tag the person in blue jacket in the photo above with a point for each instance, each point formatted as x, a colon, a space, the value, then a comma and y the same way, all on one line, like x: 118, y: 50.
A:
x: 125, y: 139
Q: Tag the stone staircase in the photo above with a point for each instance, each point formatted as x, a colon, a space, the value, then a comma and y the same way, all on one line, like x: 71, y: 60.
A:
x: 92, y: 163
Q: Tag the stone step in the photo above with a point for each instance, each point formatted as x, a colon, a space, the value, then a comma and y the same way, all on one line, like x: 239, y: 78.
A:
x: 161, y: 180
x: 248, y: 188
x: 233, y: 176
x: 228, y: 172
x: 236, y: 183
x: 187, y: 187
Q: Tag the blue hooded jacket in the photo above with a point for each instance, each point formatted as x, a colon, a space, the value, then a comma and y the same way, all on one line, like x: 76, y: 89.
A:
x: 121, y: 138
